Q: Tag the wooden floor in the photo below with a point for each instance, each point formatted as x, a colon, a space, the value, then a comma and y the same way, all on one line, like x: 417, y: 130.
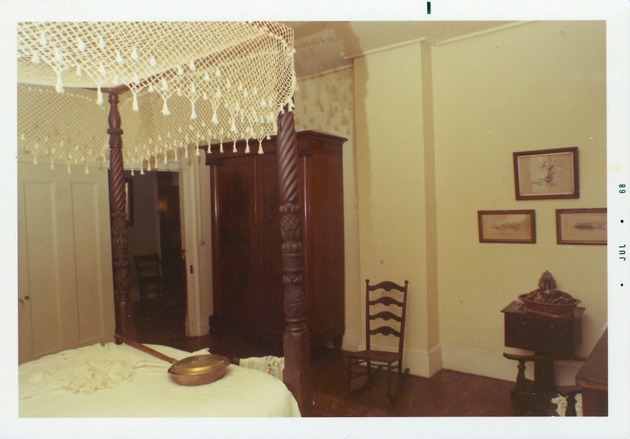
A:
x: 447, y: 393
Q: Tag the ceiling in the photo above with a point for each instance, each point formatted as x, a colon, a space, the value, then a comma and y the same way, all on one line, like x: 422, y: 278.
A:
x: 322, y: 46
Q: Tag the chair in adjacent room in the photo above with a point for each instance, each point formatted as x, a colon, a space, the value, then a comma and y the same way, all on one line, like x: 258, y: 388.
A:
x: 386, y: 304
x: 149, y: 271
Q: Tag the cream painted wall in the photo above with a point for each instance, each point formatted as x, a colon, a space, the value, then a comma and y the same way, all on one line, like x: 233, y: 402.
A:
x: 435, y: 128
x: 536, y: 86
x: 392, y: 190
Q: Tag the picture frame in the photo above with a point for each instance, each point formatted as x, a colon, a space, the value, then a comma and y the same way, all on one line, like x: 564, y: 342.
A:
x: 507, y: 226
x: 129, y: 201
x: 547, y: 174
x: 582, y: 226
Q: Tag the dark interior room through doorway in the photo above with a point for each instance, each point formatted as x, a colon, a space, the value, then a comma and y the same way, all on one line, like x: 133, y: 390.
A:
x: 155, y: 227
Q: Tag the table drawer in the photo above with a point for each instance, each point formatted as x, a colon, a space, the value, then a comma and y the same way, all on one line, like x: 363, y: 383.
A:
x: 542, y: 334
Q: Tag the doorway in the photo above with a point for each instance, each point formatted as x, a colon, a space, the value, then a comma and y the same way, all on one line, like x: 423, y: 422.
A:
x: 173, y: 255
x: 156, y: 228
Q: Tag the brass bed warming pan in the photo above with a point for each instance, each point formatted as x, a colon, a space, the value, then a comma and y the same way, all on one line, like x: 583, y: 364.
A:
x: 190, y: 371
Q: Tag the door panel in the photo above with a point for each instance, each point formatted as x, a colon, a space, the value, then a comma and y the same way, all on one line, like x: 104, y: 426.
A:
x: 64, y: 269
x: 173, y: 261
x: 41, y: 281
x: 234, y: 290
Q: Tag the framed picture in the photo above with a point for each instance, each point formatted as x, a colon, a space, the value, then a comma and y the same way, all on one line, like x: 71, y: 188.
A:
x: 551, y: 173
x: 129, y: 201
x: 581, y: 226
x: 507, y: 226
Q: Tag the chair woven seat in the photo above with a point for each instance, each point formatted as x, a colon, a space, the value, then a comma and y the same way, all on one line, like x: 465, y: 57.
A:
x: 381, y: 356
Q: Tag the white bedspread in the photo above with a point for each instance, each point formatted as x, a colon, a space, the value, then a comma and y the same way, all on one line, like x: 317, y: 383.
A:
x: 120, y: 381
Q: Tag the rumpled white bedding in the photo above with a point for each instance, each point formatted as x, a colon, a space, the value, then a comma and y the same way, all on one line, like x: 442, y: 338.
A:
x: 120, y: 381
x: 561, y: 405
x: 273, y: 366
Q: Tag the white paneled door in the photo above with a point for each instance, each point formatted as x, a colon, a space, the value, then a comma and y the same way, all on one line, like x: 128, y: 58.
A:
x: 65, y: 288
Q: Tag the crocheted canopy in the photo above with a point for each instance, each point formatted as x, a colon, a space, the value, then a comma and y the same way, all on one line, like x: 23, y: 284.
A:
x: 188, y: 83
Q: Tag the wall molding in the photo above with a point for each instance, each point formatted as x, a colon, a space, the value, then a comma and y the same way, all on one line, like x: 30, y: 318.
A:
x: 327, y: 72
x: 385, y: 48
x: 482, y: 33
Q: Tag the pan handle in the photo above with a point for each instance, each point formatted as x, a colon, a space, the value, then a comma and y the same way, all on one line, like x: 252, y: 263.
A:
x: 145, y: 349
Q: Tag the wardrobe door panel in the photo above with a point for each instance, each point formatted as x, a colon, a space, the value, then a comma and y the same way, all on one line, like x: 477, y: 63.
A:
x: 234, y: 239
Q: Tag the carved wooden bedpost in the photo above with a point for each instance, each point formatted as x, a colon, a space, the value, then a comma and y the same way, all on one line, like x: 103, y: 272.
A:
x: 296, y: 338
x: 117, y: 203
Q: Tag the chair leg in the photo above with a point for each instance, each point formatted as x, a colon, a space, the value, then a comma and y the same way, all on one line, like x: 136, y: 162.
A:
x: 355, y: 370
x: 350, y: 366
x: 390, y: 372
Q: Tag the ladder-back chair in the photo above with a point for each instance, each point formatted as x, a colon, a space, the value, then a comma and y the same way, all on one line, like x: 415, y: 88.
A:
x: 149, y: 271
x: 386, y: 304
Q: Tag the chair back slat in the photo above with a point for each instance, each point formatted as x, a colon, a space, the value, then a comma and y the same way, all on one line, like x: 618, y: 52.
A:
x: 385, y: 315
x: 385, y: 330
x: 149, y: 274
x: 385, y: 285
x: 386, y: 301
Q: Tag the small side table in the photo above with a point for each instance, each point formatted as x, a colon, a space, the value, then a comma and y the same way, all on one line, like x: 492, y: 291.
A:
x: 551, y: 339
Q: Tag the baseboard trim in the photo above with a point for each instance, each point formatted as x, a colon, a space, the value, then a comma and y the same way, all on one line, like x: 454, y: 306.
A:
x: 494, y: 365
x: 478, y: 362
x: 419, y: 362
x: 426, y: 363
x: 352, y: 341
x: 423, y: 363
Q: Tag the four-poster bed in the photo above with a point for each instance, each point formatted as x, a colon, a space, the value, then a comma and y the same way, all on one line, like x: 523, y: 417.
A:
x: 210, y: 81
x: 120, y: 381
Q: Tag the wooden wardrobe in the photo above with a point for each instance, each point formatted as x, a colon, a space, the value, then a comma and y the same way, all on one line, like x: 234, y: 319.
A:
x: 247, y: 265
